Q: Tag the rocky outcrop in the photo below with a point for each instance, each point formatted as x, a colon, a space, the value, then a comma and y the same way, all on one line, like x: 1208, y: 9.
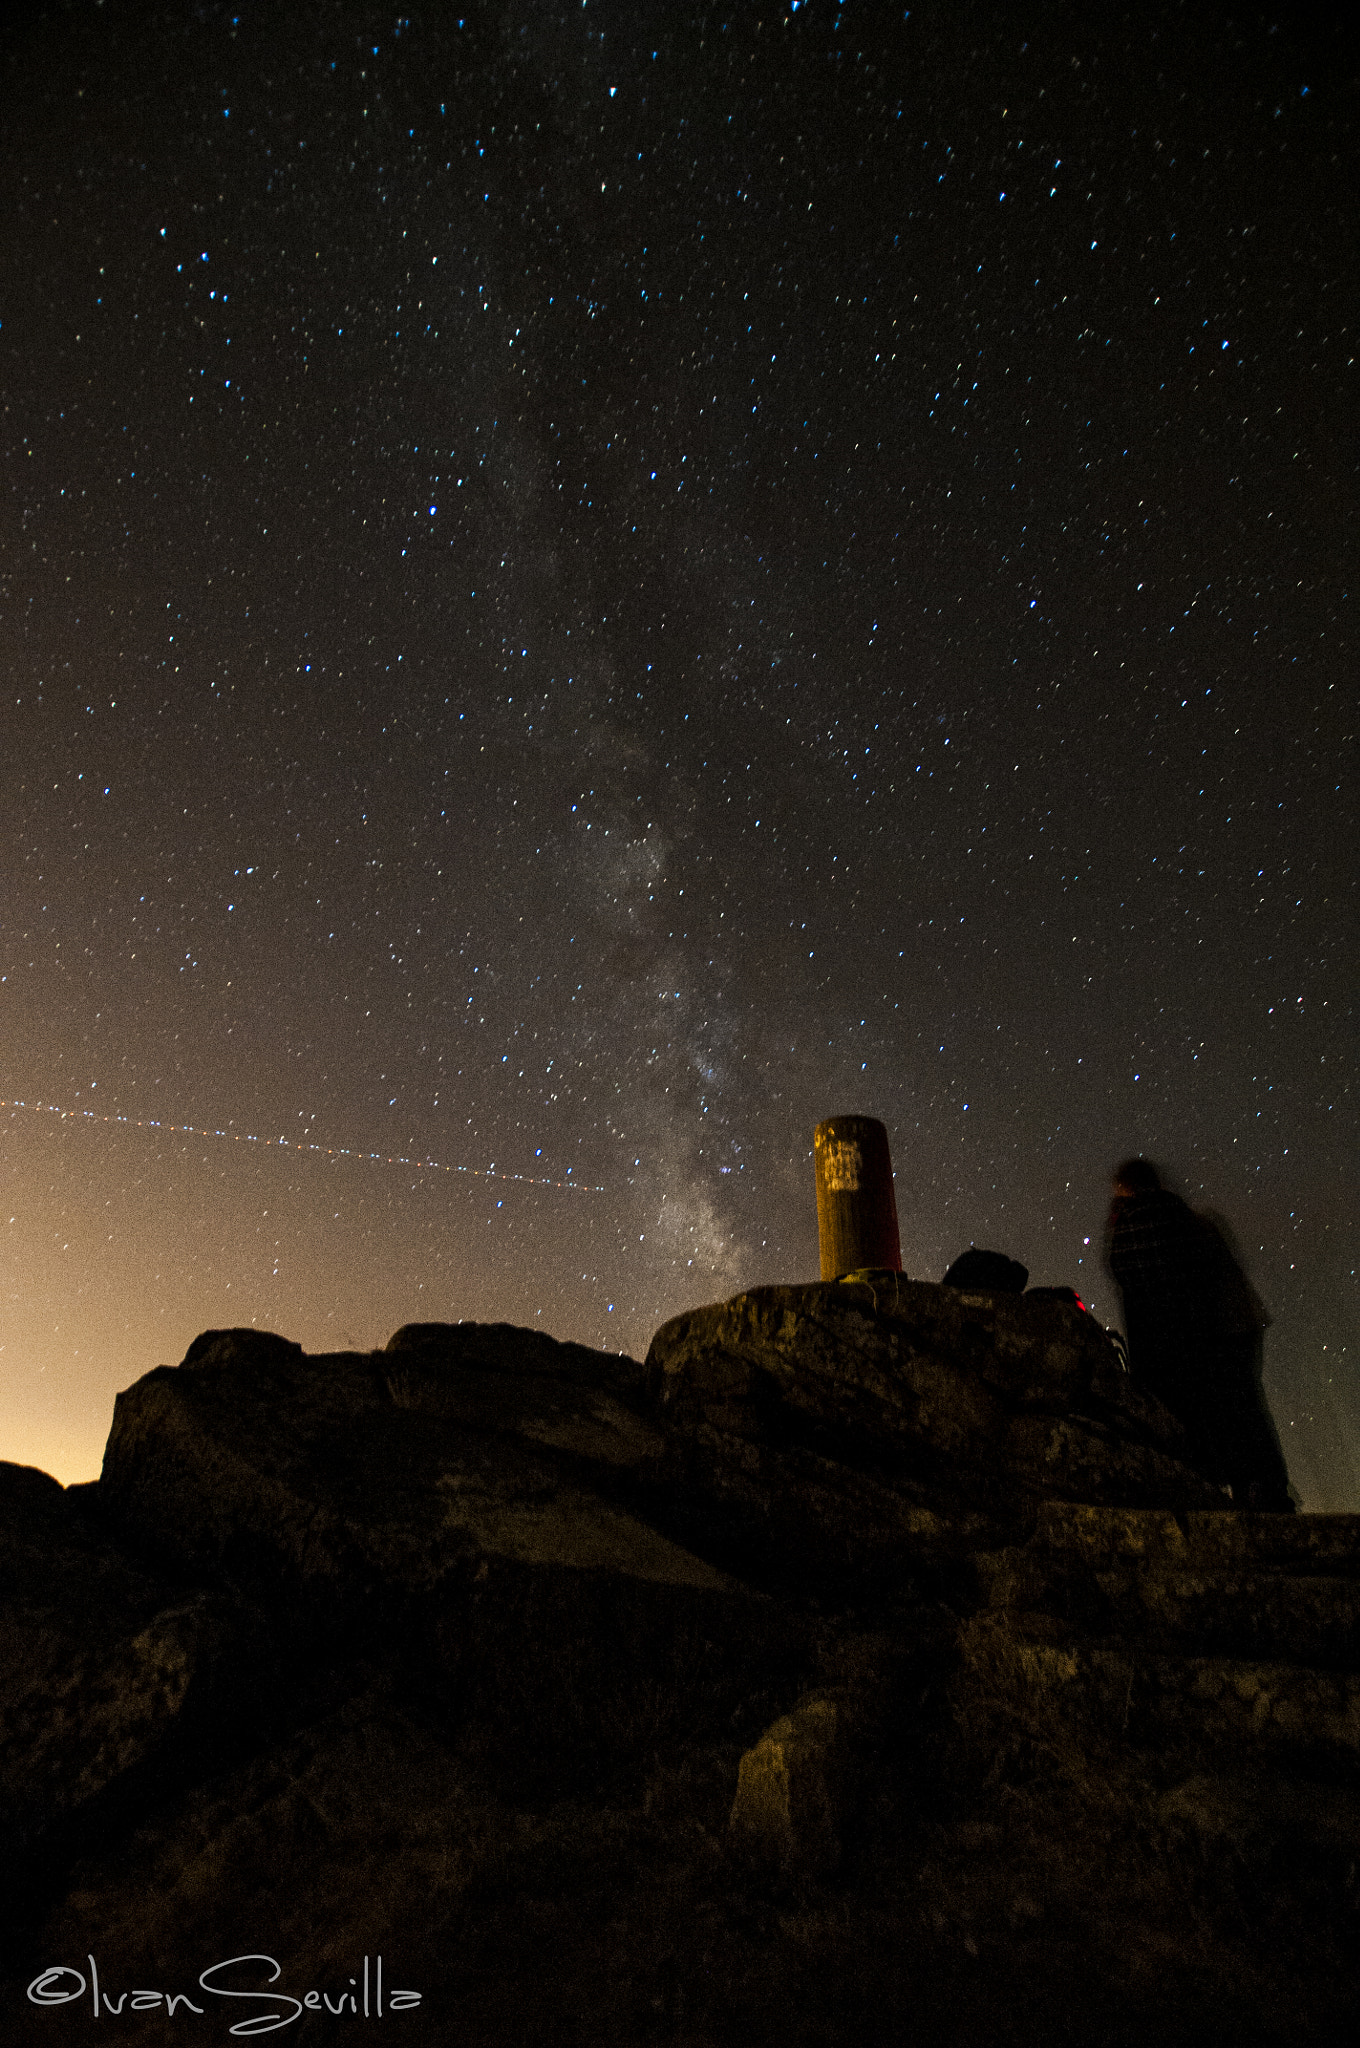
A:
x: 859, y: 1433
x: 1181, y: 1633
x: 455, y: 1503
x: 869, y: 1663
x: 110, y: 1671
x: 801, y: 1785
x: 789, y: 1788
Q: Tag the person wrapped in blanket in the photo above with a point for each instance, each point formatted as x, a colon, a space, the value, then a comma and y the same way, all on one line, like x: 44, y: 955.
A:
x: 1195, y: 1328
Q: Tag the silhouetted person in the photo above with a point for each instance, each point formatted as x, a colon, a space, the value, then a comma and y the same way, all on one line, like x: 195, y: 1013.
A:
x: 1155, y: 1251
x: 1194, y: 1329
x: 1252, y: 1460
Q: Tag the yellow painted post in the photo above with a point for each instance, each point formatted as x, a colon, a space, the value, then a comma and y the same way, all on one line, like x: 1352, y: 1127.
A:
x: 856, y: 1204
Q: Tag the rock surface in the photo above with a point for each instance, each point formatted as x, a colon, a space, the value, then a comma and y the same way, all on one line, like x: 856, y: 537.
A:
x: 451, y: 1502
x: 789, y: 1789
x: 110, y: 1672
x: 870, y: 1664
x: 861, y: 1433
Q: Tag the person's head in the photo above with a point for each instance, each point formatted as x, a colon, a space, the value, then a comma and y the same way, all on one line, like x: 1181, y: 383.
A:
x: 1136, y: 1177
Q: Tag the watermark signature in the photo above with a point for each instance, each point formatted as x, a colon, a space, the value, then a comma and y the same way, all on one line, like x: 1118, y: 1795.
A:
x: 362, y: 1998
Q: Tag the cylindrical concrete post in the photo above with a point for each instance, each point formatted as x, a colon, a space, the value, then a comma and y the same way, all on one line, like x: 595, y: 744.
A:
x: 856, y: 1205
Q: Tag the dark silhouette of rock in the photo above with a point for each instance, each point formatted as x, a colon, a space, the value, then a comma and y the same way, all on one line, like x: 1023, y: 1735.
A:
x: 452, y: 1500
x: 789, y: 1791
x: 980, y: 1272
x: 223, y: 1346
x: 112, y: 1675
x: 862, y: 1431
x: 868, y: 1664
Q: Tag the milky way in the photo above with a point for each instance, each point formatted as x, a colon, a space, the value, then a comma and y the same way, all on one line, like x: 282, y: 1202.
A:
x: 587, y: 587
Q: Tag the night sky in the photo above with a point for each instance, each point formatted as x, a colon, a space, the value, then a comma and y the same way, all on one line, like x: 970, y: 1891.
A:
x: 586, y: 586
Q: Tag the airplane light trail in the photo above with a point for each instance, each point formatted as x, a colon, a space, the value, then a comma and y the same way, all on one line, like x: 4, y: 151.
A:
x: 292, y: 1145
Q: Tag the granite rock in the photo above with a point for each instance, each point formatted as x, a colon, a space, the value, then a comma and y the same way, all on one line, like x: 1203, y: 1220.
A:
x: 885, y: 1428
x: 869, y: 1664
x: 789, y: 1790
x: 437, y: 1502
x: 111, y: 1674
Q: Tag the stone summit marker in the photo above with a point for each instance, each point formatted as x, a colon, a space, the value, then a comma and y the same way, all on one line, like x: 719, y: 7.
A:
x: 856, y: 1205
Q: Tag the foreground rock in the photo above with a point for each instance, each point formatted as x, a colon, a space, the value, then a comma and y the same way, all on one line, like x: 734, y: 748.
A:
x: 112, y: 1675
x: 1184, y: 1634
x: 862, y: 1433
x: 870, y: 1665
x: 452, y: 1505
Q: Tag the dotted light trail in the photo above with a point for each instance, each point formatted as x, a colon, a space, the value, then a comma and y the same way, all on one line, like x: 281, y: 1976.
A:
x: 532, y: 1180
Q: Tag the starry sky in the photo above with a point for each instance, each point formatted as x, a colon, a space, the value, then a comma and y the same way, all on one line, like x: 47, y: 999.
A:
x: 585, y: 586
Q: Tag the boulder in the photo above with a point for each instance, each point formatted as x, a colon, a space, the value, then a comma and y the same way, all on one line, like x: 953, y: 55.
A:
x: 1055, y: 1746
x: 882, y: 1425
x: 111, y: 1674
x: 491, y: 1377
x: 1179, y: 1633
x: 451, y: 1503
x: 983, y: 1272
x: 788, y: 1803
x: 803, y: 1780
